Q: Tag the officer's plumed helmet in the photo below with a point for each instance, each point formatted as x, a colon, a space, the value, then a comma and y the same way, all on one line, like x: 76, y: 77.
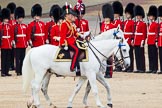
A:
x: 80, y: 7
x: 36, y: 10
x: 107, y: 11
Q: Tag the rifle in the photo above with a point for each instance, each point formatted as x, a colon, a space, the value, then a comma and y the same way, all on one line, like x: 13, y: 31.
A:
x: 33, y: 31
x: 122, y: 23
x: 15, y: 32
x: 134, y: 26
x: 158, y: 29
x: 1, y: 34
x: 99, y: 17
x: 49, y: 31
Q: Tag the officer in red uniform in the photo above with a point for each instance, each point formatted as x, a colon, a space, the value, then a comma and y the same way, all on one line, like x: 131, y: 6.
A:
x: 12, y: 6
x: 160, y: 38
x: 152, y: 39
x: 6, y: 37
x: 129, y: 32
x: 139, y: 39
x: 80, y: 22
x: 55, y: 30
x: 107, y: 12
x: 49, y: 24
x: 118, y: 13
x: 20, y: 38
x: 36, y: 28
x: 68, y: 36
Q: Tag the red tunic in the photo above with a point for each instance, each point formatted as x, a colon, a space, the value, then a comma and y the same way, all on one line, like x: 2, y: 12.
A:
x: 67, y: 33
x: 160, y: 36
x: 55, y: 32
x: 48, y: 28
x: 21, y: 37
x: 12, y: 22
x: 117, y: 23
x: 39, y: 35
x: 152, y: 33
x: 7, y: 35
x: 129, y: 30
x: 140, y: 32
x: 105, y: 26
x: 82, y: 24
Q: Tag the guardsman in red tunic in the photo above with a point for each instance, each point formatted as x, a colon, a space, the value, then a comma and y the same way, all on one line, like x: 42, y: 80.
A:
x: 139, y: 39
x: 107, y: 12
x: 36, y: 28
x: 160, y: 38
x: 6, y: 38
x: 55, y: 30
x: 118, y: 12
x: 20, y: 38
x: 129, y: 32
x: 12, y: 6
x: 49, y: 24
x: 68, y: 36
x: 80, y: 22
x: 152, y: 35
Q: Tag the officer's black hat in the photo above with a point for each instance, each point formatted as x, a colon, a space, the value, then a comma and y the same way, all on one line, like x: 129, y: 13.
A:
x: 129, y: 9
x: 68, y: 10
x: 36, y: 10
x: 56, y: 12
x: 160, y: 11
x: 19, y: 12
x: 107, y: 11
x: 12, y: 7
x: 5, y: 13
x: 82, y: 10
x: 118, y: 8
x: 139, y: 11
x: 153, y: 11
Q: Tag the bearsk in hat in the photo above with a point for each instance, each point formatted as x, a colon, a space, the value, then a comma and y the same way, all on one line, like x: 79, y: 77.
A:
x: 160, y: 11
x: 5, y: 13
x: 118, y: 8
x: 139, y: 11
x: 153, y: 11
x: 19, y: 12
x: 129, y: 9
x: 12, y: 7
x: 36, y: 10
x: 107, y: 11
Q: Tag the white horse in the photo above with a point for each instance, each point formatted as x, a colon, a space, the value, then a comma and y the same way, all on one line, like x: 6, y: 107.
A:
x: 47, y: 76
x: 123, y: 54
x: 39, y: 61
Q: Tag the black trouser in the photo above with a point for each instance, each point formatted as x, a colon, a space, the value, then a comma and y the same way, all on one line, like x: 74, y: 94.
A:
x: 160, y: 57
x: 140, y: 58
x: 153, y: 57
x: 131, y: 58
x: 12, y: 58
x: 19, y: 54
x: 5, y: 60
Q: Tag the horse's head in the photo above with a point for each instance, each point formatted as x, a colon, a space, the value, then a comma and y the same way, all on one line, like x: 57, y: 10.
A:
x: 122, y: 53
x: 118, y: 33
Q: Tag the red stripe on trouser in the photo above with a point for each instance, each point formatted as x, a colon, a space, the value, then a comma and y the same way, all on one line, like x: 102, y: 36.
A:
x: 75, y: 57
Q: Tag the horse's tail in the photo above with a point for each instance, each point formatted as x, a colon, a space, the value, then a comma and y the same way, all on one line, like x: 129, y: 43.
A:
x: 27, y: 71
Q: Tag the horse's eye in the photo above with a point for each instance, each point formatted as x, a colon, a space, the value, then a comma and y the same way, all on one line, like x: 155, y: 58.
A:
x: 124, y: 50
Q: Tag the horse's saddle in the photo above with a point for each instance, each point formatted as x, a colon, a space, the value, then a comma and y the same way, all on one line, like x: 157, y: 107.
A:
x: 66, y: 55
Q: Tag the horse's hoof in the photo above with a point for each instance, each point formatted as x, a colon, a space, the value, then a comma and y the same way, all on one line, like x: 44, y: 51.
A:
x: 86, y: 106
x: 110, y: 105
x: 69, y: 107
x: 34, y: 106
x: 29, y: 105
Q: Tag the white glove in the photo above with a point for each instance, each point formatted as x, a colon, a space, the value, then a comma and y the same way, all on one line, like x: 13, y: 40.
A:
x: 86, y: 44
x: 156, y: 43
x: 82, y: 36
x: 132, y: 43
x: 66, y: 48
x: 78, y: 29
x: 142, y: 43
x: 47, y: 41
x: 30, y: 43
x: 13, y: 44
x: 56, y: 38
